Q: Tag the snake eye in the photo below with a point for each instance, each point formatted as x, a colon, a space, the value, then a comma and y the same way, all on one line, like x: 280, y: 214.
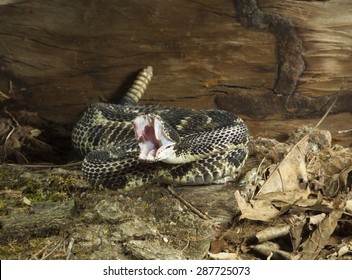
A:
x: 153, y: 138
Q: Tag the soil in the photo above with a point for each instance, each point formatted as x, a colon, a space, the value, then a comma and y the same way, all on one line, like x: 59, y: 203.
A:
x: 48, y: 211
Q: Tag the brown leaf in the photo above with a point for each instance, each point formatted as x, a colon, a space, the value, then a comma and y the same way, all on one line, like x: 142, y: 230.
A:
x: 217, y: 246
x: 266, y: 207
x: 297, y: 230
x: 311, y: 248
x: 338, y: 159
x: 258, y: 210
x: 224, y: 256
x: 349, y: 206
x: 315, y: 220
x: 291, y: 172
x: 343, y: 180
x: 281, y: 199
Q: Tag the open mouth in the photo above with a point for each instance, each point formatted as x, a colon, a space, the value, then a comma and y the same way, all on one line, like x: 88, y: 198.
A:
x: 152, y: 137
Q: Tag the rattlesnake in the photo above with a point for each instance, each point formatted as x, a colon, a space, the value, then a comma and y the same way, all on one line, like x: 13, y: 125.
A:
x: 127, y: 145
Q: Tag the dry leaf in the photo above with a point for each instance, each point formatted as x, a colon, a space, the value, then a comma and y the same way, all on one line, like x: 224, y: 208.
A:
x: 347, y: 249
x: 224, y: 256
x: 311, y: 248
x: 314, y: 202
x: 339, y: 159
x: 217, y: 246
x: 258, y: 210
x: 297, y: 231
x: 281, y: 199
x: 315, y: 220
x: 271, y: 233
x: 26, y: 201
x: 291, y: 172
x: 349, y: 206
x: 266, y: 207
x: 271, y: 250
x: 343, y: 180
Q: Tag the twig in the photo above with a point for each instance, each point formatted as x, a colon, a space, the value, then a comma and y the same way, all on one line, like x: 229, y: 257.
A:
x: 9, y: 134
x: 5, y: 142
x: 52, y: 251
x: 10, y: 91
x: 327, y: 112
x: 189, y: 205
x: 4, y: 95
x: 187, y: 243
x: 69, y: 248
x: 345, y: 131
x: 12, y: 117
x: 35, y: 256
x: 49, y: 165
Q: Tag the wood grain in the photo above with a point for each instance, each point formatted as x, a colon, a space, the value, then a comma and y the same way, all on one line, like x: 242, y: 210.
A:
x: 265, y: 60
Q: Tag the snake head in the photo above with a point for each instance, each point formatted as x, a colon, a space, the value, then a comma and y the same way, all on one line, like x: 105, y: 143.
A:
x: 156, y: 138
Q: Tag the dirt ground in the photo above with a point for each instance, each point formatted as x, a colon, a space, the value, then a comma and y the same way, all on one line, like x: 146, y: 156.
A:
x: 292, y: 200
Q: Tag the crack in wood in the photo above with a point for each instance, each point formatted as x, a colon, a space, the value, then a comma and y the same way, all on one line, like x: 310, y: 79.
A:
x: 294, y: 106
x: 240, y: 87
x: 12, y: 61
x: 289, y: 44
x: 212, y: 10
x: 79, y: 50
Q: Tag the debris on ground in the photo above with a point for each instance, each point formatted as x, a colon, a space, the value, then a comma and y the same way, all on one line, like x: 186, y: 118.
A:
x: 293, y: 200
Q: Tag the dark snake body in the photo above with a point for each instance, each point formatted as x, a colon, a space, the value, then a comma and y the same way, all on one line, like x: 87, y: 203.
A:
x: 216, y: 139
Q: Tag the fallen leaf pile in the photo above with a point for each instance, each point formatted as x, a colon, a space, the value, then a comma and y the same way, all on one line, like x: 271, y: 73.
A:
x: 22, y: 138
x: 299, y: 198
x: 14, y: 138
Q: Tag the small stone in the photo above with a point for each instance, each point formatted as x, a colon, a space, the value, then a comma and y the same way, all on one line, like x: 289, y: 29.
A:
x: 152, y: 250
x: 135, y: 229
x: 110, y: 211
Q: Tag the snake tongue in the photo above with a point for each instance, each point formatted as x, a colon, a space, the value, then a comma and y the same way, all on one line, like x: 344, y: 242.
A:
x: 152, y: 138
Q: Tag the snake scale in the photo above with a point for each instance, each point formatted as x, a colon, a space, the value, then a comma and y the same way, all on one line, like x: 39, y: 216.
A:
x: 127, y: 145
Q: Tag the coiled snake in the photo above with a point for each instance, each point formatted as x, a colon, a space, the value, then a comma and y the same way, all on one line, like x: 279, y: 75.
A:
x: 126, y: 145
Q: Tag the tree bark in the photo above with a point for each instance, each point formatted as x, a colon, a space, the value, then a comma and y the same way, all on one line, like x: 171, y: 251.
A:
x: 271, y: 61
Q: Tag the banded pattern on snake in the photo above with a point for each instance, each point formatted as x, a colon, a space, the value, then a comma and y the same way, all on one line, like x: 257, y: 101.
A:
x: 127, y: 145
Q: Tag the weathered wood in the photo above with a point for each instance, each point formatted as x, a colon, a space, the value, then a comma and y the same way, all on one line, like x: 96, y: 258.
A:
x: 147, y: 250
x: 325, y: 28
x: 59, y: 56
x: 42, y: 220
x: 289, y: 44
x: 339, y: 125
x: 59, y: 64
x: 215, y: 201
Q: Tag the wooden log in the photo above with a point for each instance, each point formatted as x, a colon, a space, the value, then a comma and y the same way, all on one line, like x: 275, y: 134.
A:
x: 42, y: 220
x: 222, y: 207
x: 267, y: 60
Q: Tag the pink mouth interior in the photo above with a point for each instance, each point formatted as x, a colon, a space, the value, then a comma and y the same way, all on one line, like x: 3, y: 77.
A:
x: 151, y: 137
